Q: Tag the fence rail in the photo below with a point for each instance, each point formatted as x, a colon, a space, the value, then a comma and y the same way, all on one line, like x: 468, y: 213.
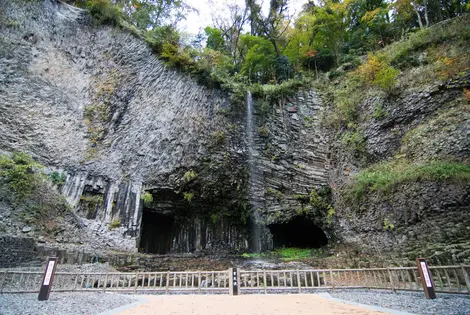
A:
x: 447, y: 279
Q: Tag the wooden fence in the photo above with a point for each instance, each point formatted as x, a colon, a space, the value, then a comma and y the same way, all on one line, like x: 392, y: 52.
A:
x: 447, y: 279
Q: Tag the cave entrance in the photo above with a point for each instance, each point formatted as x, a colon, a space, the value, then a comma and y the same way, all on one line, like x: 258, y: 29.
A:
x: 298, y: 232
x: 156, y: 234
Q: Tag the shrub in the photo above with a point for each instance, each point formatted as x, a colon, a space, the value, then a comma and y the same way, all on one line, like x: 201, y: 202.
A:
x: 189, y: 175
x: 58, y: 178
x: 388, y: 226
x: 272, y: 93
x: 147, y: 198
x: 386, y: 78
x: 18, y: 172
x: 115, y: 223
x: 219, y: 138
x: 275, y: 193
x: 188, y: 196
x: 379, y: 112
x: 263, y: 132
x: 354, y: 141
x: 104, y: 11
x: 377, y: 72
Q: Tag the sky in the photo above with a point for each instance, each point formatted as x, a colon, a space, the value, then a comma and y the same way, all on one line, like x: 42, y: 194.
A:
x: 207, y: 8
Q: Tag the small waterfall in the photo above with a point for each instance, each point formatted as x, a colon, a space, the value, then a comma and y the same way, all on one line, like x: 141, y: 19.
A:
x: 252, y: 154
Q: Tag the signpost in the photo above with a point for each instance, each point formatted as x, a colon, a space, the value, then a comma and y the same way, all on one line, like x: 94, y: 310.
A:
x: 47, y: 280
x: 234, y: 281
x: 426, y: 278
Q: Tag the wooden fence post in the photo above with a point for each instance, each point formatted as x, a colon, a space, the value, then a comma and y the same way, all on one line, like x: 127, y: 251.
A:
x: 199, y: 282
x: 391, y: 280
x: 136, y: 282
x: 332, y: 282
x: 298, y: 281
x: 168, y: 282
x: 466, y: 277
x: 105, y: 282
x: 264, y: 282
x: 2, y: 282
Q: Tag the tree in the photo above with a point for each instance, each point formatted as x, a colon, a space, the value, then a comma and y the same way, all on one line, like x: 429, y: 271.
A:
x: 149, y: 14
x: 231, y: 28
x: 260, y: 58
x: 215, y: 40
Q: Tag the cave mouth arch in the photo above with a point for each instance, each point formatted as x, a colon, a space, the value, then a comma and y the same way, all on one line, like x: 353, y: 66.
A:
x: 157, y: 233
x: 299, y: 232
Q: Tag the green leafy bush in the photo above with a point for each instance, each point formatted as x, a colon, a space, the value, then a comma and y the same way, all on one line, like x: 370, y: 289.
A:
x: 18, y: 172
x: 275, y: 193
x: 263, y: 131
x: 354, y: 140
x: 147, y: 198
x: 272, y: 93
x: 104, y: 11
x: 387, y: 225
x: 189, y: 176
x: 188, y: 196
x: 379, y: 112
x: 58, y: 178
x: 377, y: 72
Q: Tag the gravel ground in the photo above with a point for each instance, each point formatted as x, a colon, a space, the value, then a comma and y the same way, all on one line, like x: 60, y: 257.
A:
x: 88, y: 303
x: 413, y: 302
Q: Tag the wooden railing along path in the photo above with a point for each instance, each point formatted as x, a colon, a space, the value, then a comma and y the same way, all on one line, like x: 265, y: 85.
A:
x: 447, y: 279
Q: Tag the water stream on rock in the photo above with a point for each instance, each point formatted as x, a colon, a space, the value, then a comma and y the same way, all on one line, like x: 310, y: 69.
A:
x: 252, y: 155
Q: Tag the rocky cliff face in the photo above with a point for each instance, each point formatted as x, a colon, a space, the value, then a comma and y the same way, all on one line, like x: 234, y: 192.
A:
x: 156, y: 162
x: 419, y: 218
x: 95, y: 102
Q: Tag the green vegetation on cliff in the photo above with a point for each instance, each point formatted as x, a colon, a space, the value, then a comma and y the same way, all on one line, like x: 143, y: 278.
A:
x: 384, y: 176
x: 19, y: 173
x: 25, y: 187
x: 251, y: 47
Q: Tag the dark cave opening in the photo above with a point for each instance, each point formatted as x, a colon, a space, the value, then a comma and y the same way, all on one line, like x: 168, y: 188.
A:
x: 156, y: 234
x: 298, y: 232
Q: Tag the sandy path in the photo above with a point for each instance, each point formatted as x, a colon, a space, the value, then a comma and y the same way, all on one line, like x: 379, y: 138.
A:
x: 298, y: 304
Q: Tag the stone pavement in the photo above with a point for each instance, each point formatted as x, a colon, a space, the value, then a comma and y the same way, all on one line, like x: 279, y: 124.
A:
x: 279, y: 304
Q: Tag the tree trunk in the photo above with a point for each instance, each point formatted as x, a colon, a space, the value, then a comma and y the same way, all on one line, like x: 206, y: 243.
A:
x: 276, y: 48
x: 419, y: 18
x: 426, y: 16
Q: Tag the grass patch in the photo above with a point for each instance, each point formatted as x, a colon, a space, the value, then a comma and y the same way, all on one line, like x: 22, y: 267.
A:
x: 288, y: 253
x: 293, y: 253
x: 383, y: 177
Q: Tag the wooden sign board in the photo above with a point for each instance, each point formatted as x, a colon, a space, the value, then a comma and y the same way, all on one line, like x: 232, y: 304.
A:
x: 426, y: 278
x: 48, y: 278
x: 234, y: 281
